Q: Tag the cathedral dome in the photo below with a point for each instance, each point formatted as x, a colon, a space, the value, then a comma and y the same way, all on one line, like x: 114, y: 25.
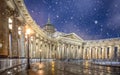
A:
x: 49, y: 28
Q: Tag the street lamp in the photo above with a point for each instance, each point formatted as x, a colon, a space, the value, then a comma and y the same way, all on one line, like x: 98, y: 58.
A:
x: 28, y: 31
x: 40, y: 55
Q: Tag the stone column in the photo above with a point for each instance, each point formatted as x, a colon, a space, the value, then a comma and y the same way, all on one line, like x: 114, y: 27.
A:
x: 119, y: 53
x: 68, y: 51
x: 54, y: 51
x: 47, y: 50
x: 15, y: 51
x: 58, y: 51
x: 5, y: 12
x: 96, y: 50
x: 108, y: 52
x: 73, y: 50
x: 65, y: 51
x: 81, y: 51
x: 22, y: 42
x: 62, y: 51
x: 43, y: 50
x: 77, y: 52
x: 111, y: 52
x: 30, y: 45
x: 99, y: 53
x: 89, y: 53
x: 34, y: 47
x: 102, y: 52
x: 38, y: 48
x: 93, y: 53
x: 60, y: 56
x: 105, y: 52
x: 50, y: 45
x: 84, y: 53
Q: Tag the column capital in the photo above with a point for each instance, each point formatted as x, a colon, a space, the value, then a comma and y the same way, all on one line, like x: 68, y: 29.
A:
x: 6, y: 11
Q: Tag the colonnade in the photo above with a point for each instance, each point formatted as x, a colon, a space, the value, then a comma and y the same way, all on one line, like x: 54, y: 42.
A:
x: 105, y: 51
x: 69, y: 51
x: 39, y: 44
x: 51, y: 49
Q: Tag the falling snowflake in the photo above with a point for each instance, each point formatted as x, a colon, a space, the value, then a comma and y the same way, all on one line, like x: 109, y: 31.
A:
x: 80, y: 18
x: 65, y: 21
x: 53, y: 9
x: 71, y: 18
x: 95, y: 9
x: 32, y: 10
x: 106, y: 14
x: 39, y: 12
x: 57, y: 16
x: 116, y: 5
x: 101, y: 25
x: 56, y: 3
x: 101, y: 29
x: 50, y: 7
x: 107, y: 34
x: 96, y: 22
x: 118, y: 35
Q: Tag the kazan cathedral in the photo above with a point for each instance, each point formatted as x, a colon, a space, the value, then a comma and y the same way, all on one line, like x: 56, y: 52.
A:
x: 15, y: 41
x: 74, y: 47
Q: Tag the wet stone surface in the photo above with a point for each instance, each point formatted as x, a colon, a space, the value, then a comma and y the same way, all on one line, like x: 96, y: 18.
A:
x: 70, y: 68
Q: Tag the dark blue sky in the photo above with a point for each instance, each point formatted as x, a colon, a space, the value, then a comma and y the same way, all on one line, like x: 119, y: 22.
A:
x: 90, y: 19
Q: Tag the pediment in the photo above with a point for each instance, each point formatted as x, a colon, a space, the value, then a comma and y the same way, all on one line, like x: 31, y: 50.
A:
x: 72, y: 36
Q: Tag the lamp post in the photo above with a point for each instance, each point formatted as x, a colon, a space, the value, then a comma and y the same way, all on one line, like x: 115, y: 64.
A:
x: 28, y: 57
x: 40, y: 55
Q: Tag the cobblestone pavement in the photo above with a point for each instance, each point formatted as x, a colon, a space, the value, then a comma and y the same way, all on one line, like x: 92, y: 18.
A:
x: 69, y: 68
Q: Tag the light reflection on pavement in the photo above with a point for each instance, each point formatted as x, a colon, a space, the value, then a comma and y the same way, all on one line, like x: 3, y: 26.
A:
x: 69, y: 68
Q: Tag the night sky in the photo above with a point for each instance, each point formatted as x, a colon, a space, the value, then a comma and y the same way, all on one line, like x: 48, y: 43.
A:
x: 90, y: 19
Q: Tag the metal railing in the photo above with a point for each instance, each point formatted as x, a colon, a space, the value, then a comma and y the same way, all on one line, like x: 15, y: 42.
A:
x: 10, y: 66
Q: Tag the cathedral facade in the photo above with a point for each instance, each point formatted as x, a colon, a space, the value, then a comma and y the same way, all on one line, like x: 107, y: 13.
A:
x: 74, y: 47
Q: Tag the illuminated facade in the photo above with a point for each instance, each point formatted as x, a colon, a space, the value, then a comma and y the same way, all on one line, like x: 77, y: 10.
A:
x: 53, y: 44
